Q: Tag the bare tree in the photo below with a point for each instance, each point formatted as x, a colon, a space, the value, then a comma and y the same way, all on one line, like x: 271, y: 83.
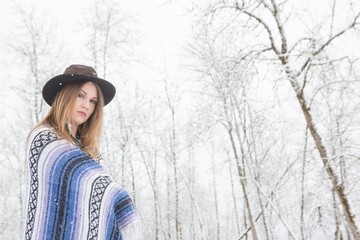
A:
x: 252, y: 34
x: 174, y: 158
x: 283, y: 53
x: 111, y: 37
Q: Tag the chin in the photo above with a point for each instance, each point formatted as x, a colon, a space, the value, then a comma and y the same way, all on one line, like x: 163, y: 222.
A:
x: 78, y: 123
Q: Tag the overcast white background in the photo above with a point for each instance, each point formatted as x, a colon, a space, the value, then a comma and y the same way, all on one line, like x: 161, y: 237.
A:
x: 165, y: 29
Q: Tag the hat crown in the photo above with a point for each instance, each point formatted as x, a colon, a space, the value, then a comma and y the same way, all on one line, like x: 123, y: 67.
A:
x: 80, y: 69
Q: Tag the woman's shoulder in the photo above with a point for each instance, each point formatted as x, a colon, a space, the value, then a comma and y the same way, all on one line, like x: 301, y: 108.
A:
x: 41, y: 128
x: 40, y: 131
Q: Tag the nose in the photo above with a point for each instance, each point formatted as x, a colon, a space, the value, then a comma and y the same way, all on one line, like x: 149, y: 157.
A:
x: 85, y: 105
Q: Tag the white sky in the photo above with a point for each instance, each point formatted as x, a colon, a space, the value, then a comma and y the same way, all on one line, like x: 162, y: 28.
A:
x: 163, y: 24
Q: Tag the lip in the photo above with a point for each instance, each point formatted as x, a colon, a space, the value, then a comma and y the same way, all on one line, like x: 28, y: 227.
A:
x: 82, y: 113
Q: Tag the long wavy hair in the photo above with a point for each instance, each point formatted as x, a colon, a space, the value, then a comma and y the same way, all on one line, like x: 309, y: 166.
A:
x: 59, y: 117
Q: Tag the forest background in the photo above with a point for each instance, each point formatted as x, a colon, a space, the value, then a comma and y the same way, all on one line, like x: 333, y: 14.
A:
x: 232, y: 119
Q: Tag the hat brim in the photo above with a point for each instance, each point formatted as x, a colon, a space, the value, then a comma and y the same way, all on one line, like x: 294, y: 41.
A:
x: 55, y: 84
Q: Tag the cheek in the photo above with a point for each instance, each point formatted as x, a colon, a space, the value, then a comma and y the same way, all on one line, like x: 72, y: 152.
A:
x: 77, y: 103
x: 92, y: 109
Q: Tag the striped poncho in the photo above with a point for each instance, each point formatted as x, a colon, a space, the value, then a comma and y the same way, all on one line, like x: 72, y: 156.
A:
x: 71, y: 196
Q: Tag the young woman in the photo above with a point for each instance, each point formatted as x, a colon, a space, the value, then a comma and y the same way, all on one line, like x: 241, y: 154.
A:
x: 70, y: 195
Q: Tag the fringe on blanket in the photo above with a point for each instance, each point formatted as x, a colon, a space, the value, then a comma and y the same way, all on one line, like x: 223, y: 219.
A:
x: 132, y: 231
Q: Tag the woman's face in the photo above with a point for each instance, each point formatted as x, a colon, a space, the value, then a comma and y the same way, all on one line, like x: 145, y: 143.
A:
x: 85, y: 104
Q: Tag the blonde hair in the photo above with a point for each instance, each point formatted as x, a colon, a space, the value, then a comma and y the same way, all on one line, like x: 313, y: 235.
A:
x: 60, y: 114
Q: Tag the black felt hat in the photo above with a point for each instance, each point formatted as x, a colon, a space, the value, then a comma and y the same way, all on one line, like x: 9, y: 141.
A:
x: 81, y: 73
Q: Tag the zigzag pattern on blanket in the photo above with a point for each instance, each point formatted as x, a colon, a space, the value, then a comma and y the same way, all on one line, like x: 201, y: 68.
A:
x: 70, y: 195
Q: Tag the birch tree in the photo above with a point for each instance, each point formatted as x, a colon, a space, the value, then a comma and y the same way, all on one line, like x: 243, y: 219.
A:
x: 257, y: 32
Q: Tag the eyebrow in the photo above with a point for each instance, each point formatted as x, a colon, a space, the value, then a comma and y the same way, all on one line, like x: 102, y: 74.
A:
x: 86, y: 94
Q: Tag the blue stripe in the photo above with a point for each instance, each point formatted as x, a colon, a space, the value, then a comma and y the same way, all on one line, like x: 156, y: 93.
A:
x: 61, y: 193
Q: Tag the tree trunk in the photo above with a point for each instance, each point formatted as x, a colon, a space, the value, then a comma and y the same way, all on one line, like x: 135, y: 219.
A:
x: 168, y: 209
x: 338, y: 188
x: 216, y: 202
x: 243, y: 187
x: 302, y: 205
x: 234, y: 198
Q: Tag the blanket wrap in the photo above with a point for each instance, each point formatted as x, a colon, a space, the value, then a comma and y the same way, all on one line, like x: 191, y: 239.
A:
x: 71, y: 196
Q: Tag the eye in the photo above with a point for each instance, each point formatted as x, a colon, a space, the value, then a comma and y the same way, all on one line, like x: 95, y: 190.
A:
x: 80, y: 95
x: 93, y: 101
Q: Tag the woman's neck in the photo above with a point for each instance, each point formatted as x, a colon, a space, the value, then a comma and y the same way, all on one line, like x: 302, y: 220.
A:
x: 72, y: 129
